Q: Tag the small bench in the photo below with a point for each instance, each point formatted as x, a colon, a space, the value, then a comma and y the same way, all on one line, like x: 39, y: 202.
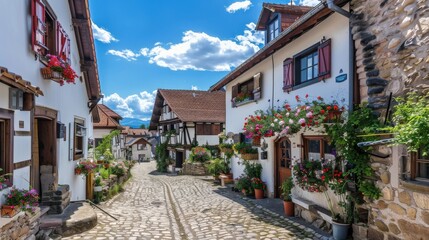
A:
x: 314, y: 208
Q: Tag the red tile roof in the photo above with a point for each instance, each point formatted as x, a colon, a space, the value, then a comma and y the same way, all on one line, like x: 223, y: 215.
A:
x: 108, y: 118
x: 196, y: 106
x: 288, y: 11
x: 191, y: 105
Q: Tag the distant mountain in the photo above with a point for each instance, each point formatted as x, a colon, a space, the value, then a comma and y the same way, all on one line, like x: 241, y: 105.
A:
x: 134, y: 122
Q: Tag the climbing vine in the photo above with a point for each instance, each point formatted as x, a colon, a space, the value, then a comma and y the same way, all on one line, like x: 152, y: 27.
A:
x: 345, y: 137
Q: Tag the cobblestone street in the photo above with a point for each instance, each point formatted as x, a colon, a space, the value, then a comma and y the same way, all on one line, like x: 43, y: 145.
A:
x: 185, y: 207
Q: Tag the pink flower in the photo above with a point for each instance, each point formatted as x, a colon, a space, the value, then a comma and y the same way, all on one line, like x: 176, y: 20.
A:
x: 290, y: 121
x: 309, y: 115
x: 301, y: 121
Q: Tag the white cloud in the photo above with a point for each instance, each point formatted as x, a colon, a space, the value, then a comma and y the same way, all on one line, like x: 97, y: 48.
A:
x: 133, y: 106
x: 200, y: 51
x: 102, y: 34
x: 309, y: 2
x: 126, y: 54
x: 244, y: 5
x: 194, y: 87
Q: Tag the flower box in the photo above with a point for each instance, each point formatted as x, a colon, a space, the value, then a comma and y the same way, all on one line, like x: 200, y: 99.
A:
x: 9, y: 211
x: 249, y: 156
x: 48, y: 73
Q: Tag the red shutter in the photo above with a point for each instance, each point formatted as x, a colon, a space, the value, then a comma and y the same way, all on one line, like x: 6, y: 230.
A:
x: 63, y: 44
x: 325, y: 60
x: 288, y: 75
x: 38, y: 30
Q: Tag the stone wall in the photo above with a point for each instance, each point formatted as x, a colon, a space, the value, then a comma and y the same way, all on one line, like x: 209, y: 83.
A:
x: 392, y: 45
x: 22, y: 226
x: 196, y: 169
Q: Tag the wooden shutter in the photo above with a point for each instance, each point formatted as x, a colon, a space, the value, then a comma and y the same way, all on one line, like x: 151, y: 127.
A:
x: 257, y: 86
x: 63, y: 44
x: 288, y: 75
x: 234, y: 94
x: 215, y: 129
x: 325, y: 60
x: 207, y: 129
x: 38, y: 29
x: 200, y: 129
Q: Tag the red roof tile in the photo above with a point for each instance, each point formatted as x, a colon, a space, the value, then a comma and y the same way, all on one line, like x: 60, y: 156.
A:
x: 108, y: 118
x: 196, y: 106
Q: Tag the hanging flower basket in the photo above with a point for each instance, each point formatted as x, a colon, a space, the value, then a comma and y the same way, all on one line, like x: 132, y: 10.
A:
x: 9, y: 211
x: 227, y: 150
x: 249, y: 156
x: 256, y: 141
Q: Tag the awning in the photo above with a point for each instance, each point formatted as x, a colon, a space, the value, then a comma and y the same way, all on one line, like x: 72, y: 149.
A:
x: 16, y: 81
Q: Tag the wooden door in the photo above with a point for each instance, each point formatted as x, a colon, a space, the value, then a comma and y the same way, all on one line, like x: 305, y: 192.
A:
x: 283, y: 163
x: 35, y: 171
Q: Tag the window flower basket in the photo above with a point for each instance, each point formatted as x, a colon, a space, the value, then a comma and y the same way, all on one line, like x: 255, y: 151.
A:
x: 17, y: 200
x: 58, y: 71
x: 249, y: 156
x: 256, y: 140
x: 8, y: 211
x: 84, y: 168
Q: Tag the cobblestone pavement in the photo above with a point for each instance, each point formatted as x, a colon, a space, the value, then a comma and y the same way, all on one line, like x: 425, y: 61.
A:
x: 186, y: 207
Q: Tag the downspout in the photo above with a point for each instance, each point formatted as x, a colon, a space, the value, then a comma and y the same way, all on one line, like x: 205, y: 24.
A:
x: 272, y: 90
x: 335, y: 8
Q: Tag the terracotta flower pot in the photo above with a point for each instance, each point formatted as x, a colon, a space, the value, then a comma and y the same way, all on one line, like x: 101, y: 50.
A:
x: 77, y: 171
x: 289, y: 208
x: 259, y: 193
x: 243, y: 191
x: 256, y: 141
x: 9, y: 211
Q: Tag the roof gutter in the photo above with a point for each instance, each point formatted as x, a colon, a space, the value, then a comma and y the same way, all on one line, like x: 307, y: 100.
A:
x: 335, y: 8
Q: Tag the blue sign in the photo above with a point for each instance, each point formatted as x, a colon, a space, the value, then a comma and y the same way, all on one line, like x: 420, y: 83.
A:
x: 341, y: 78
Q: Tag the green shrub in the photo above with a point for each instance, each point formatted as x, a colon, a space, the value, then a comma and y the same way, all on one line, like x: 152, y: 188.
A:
x: 104, y: 173
x: 118, y: 171
x: 252, y: 170
x: 217, y: 166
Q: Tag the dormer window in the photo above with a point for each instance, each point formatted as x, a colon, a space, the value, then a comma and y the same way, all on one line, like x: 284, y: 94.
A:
x: 273, y: 29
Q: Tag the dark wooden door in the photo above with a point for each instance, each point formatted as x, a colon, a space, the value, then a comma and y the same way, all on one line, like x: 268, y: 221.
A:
x: 179, y: 159
x: 283, y: 163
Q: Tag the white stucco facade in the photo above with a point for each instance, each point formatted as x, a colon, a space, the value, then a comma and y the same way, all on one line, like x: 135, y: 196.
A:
x: 69, y: 101
x: 336, y: 28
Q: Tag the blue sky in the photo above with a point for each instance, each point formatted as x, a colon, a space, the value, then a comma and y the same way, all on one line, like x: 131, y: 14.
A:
x: 144, y: 45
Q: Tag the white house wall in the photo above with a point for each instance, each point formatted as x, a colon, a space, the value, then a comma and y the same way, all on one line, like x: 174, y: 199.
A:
x: 146, y: 151
x: 69, y: 100
x: 336, y: 28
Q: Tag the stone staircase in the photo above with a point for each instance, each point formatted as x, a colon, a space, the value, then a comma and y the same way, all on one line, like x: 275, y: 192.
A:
x: 57, y: 200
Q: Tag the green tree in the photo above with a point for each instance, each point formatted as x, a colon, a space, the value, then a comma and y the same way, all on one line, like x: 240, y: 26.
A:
x: 143, y: 126
x: 105, y: 147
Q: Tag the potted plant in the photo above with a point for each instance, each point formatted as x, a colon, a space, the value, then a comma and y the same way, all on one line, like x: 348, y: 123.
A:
x: 259, y: 186
x: 286, y: 188
x: 341, y: 220
x: 244, y: 184
x: 199, y: 154
x: 98, y: 186
x: 215, y: 167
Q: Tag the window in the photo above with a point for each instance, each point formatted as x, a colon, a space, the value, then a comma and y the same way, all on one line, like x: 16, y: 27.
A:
x: 16, y: 98
x: 308, y: 66
x: 208, y: 129
x: 141, y: 146
x: 316, y: 148
x: 247, y: 91
x: 273, y: 29
x: 48, y: 36
x: 79, y: 134
x: 98, y: 141
x: 419, y: 167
